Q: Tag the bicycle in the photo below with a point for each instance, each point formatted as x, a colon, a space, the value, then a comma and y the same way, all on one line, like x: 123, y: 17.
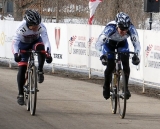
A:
x: 118, y: 85
x: 30, y: 87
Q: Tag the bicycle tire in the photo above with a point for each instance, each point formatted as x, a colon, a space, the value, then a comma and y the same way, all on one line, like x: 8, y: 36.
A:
x: 26, y: 92
x: 33, y: 90
x: 113, y: 93
x: 121, y: 91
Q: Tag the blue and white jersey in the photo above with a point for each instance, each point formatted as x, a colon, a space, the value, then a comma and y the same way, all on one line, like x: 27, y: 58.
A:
x: 25, y: 35
x: 110, y: 32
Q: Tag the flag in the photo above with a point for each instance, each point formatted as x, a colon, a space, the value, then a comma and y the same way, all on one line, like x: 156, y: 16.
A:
x: 92, y: 7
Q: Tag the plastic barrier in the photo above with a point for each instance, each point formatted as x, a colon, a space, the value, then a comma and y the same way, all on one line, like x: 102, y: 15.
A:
x: 73, y: 46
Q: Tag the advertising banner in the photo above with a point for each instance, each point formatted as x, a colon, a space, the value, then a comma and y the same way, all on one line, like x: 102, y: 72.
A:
x: 92, y: 53
x: 57, y: 34
x: 77, y: 45
x: 73, y: 46
x: 2, y: 39
x: 151, y: 57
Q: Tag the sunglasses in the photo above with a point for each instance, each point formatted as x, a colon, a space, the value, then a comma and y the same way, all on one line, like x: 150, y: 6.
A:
x: 32, y: 24
x: 123, y: 29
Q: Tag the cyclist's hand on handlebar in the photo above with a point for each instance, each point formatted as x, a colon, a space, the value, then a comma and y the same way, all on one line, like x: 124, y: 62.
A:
x: 104, y: 59
x: 48, y: 58
x: 135, y: 59
x: 17, y: 57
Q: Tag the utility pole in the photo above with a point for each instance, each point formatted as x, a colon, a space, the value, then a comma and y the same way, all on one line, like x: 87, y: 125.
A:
x: 57, y: 11
x: 150, y: 21
x: 151, y: 6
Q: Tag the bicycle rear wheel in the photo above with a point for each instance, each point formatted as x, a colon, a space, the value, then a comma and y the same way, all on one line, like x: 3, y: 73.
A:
x: 113, y: 93
x: 121, y: 89
x: 33, y: 89
x: 26, y: 91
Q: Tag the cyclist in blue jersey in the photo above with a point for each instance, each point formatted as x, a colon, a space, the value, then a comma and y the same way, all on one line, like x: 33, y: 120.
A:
x: 31, y: 34
x: 114, y: 36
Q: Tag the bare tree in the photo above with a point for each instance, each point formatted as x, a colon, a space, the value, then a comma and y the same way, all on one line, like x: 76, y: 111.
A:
x: 77, y: 11
x: 3, y: 7
x: 21, y: 5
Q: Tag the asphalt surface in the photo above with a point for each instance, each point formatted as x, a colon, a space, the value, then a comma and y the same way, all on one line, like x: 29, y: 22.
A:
x: 66, y: 103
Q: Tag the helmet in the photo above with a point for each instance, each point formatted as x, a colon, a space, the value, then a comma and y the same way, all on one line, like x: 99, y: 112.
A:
x: 32, y: 17
x: 123, y: 20
x: 135, y: 60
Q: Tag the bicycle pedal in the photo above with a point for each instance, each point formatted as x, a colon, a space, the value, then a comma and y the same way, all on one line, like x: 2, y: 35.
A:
x: 27, y: 91
x: 32, y: 91
x: 25, y: 88
x: 111, y: 93
x: 26, y: 97
x: 122, y: 96
x: 113, y: 97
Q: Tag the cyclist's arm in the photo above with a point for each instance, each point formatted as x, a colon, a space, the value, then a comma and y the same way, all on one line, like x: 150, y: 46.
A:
x: 14, y: 46
x: 15, y: 42
x: 103, y: 37
x: 17, y: 36
x: 45, y: 38
x: 135, y: 39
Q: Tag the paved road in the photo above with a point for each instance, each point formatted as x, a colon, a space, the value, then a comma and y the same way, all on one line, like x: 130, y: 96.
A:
x: 64, y: 103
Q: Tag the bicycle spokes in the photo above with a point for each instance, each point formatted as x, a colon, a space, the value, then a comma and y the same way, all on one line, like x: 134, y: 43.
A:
x: 118, y: 93
x: 26, y: 95
x: 122, y: 94
x: 33, y: 92
x: 113, y: 94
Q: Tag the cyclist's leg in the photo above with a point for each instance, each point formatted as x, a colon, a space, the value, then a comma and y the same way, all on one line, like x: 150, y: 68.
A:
x: 20, y: 81
x: 126, y: 69
x: 38, y: 45
x: 108, y: 72
x: 21, y: 72
x: 125, y: 63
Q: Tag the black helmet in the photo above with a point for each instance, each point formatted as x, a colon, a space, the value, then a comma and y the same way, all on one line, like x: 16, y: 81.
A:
x: 123, y: 20
x: 135, y: 60
x: 32, y: 17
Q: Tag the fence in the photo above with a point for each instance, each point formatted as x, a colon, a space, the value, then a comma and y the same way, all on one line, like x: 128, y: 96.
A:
x: 76, y: 49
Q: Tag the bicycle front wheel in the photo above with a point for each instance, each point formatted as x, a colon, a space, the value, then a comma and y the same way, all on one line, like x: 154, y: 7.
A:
x: 113, y: 93
x: 33, y: 89
x: 121, y: 89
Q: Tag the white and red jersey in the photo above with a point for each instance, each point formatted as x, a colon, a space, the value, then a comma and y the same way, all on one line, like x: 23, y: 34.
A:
x: 25, y: 35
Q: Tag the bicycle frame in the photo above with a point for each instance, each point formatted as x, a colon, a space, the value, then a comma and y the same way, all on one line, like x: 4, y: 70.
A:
x: 30, y: 91
x: 118, y: 86
x: 30, y: 64
x: 31, y: 59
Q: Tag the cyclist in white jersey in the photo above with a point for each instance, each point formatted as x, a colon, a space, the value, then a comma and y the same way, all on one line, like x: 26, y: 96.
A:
x: 31, y: 34
x: 114, y: 36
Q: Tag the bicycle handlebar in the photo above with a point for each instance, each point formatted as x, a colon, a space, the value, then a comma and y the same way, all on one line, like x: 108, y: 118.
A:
x: 112, y: 52
x: 33, y: 51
